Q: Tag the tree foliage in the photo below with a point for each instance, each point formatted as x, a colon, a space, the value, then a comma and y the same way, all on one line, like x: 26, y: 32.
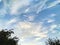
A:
x: 5, y: 38
x: 53, y: 42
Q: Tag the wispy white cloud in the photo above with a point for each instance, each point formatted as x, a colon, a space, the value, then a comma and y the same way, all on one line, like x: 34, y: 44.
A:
x: 24, y: 25
x: 41, y: 6
x: 53, y: 4
x: 44, y: 6
x: 53, y: 31
x: 27, y: 10
x: 4, y: 7
x: 50, y: 20
x: 16, y: 5
x: 28, y: 29
x: 11, y: 21
x: 53, y: 26
x: 53, y: 15
x: 38, y: 7
x: 7, y: 24
x: 30, y: 17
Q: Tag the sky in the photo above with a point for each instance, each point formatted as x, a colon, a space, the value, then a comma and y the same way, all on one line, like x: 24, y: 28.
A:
x: 33, y: 21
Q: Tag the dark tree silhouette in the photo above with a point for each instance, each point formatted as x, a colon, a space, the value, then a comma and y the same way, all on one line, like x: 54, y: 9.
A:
x: 5, y: 38
x: 53, y: 42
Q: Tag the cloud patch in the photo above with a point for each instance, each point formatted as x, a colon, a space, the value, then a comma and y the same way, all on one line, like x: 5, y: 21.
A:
x: 28, y: 29
x: 16, y: 5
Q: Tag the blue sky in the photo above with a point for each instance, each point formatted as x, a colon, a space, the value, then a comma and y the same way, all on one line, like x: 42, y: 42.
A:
x: 33, y: 21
